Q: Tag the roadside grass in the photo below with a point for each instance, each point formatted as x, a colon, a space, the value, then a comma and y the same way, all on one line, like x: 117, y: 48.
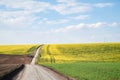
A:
x: 60, y: 53
x: 89, y: 70
x: 18, y: 49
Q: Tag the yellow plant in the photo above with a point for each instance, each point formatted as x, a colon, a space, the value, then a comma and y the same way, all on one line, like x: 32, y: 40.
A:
x: 57, y: 53
x: 16, y: 49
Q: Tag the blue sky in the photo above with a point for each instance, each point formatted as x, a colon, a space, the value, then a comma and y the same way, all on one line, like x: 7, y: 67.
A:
x: 59, y: 21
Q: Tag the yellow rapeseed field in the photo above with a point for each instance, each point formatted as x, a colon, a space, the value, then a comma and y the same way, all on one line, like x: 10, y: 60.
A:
x: 59, y: 53
x: 17, y: 49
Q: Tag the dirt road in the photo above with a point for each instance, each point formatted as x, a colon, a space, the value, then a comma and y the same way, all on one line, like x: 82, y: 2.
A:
x: 36, y: 55
x: 38, y: 72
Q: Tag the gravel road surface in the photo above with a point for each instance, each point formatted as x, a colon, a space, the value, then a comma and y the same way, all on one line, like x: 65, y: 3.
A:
x: 37, y: 72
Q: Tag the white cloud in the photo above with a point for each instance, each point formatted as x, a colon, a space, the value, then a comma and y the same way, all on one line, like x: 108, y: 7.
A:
x: 63, y: 29
x: 114, y: 24
x: 72, y: 6
x: 80, y: 17
x: 53, y: 22
x: 96, y: 25
x: 26, y: 5
x: 66, y: 1
x: 63, y: 21
x: 57, y: 21
x: 84, y: 25
x: 102, y: 24
x: 102, y: 5
x: 16, y: 19
x: 79, y: 26
x: 63, y: 6
x: 69, y: 8
x: 21, y: 13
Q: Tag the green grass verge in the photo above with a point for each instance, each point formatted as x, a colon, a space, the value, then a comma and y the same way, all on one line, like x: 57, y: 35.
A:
x: 89, y: 70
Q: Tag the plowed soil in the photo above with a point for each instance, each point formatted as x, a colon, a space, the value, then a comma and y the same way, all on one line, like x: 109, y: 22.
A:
x: 9, y: 71
x: 10, y: 65
x: 15, y: 59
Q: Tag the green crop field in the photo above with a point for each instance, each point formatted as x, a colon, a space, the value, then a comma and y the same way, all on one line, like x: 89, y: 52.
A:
x: 89, y: 70
x: 95, y: 61
x: 17, y: 49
